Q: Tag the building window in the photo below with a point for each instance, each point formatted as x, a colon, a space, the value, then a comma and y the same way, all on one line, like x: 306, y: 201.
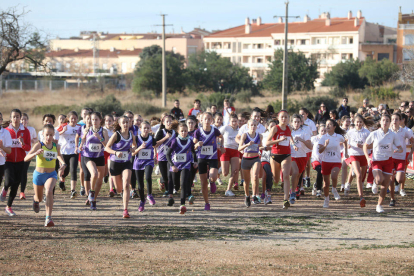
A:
x: 259, y: 60
x: 351, y: 40
x: 382, y: 56
x: 277, y: 42
x: 343, y: 56
x: 133, y: 65
x: 408, y: 40
x: 302, y: 42
x: 351, y: 56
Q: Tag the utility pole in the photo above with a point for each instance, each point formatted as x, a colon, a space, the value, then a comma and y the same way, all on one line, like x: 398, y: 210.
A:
x: 164, y: 69
x: 285, y: 85
x: 94, y: 49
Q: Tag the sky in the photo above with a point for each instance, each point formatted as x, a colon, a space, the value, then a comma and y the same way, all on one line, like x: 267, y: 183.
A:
x: 64, y: 19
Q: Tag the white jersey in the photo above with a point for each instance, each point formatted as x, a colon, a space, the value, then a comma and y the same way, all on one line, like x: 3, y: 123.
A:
x: 332, y: 153
x: 67, y: 139
x: 356, y: 137
x: 407, y: 141
x: 316, y: 156
x: 7, y: 143
x: 309, y: 130
x: 155, y: 128
x: 402, y: 134
x: 229, y: 135
x: 55, y: 137
x: 299, y: 133
x: 244, y: 129
x: 265, y: 154
x: 226, y: 116
x: 310, y: 124
x: 110, y: 132
x: 33, y: 134
x: 383, y: 144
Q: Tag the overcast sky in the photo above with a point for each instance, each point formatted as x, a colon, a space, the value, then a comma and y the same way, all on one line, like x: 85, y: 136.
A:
x: 68, y: 18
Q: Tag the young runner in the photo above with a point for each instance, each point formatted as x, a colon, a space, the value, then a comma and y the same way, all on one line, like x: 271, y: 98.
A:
x: 109, y: 127
x: 45, y: 176
x: 196, y: 109
x: 316, y: 161
x: 308, y: 121
x: 345, y: 122
x: 192, y: 125
x: 265, y: 160
x: 33, y: 136
x: 5, y: 148
x: 218, y: 123
x: 409, y: 150
x: 84, y: 172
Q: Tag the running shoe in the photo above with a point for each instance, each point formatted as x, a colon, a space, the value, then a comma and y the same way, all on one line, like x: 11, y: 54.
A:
x: 134, y: 194
x: 247, y: 202
x: 44, y: 198
x: 335, y: 193
x: 191, y: 199
x: 207, y: 207
x: 308, y: 184
x: 392, y: 203
x: 142, y: 206
x: 314, y: 189
x: 302, y: 191
x: 263, y: 196
x: 93, y: 205
x: 62, y: 185
x: 73, y: 195
x: 229, y: 193
x: 241, y: 182
x: 3, y: 195
x: 266, y: 200
x: 162, y: 186
x: 115, y: 192
x: 82, y: 191
x: 326, y: 202
x: 170, y: 201
x: 292, y: 198
x: 91, y: 196
x: 236, y: 186
x: 374, y: 188
x: 174, y: 191
x: 286, y: 204
x: 213, y: 187
x: 403, y: 193
x: 87, y: 202
x: 362, y: 202
x: 347, y: 187
x: 219, y: 181
x: 256, y: 200
x: 125, y: 214
x: 369, y: 185
x: 105, y: 179
x: 49, y: 222
x: 111, y: 193
x: 22, y: 196
x: 269, y: 199
x: 396, y: 189
x: 165, y: 194
x: 297, y: 194
x: 342, y: 187
x: 318, y: 193
x: 303, y: 182
x: 183, y: 209
x: 379, y: 209
x: 10, y: 212
x: 151, y: 200
x: 36, y: 206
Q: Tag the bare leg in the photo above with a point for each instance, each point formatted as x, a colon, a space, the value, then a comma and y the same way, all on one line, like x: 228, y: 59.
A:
x: 49, y: 185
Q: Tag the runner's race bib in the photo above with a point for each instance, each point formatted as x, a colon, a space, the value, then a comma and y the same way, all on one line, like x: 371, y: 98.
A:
x: 50, y: 154
x: 144, y: 154
x: 207, y: 150
x: 124, y: 156
x: 285, y: 142
x: 180, y: 157
x: 95, y: 147
x: 16, y: 143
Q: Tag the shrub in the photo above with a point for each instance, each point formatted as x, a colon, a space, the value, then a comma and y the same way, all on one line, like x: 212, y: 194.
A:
x: 107, y: 105
x: 143, y: 109
x: 216, y: 99
x: 379, y: 95
x: 55, y: 109
x: 313, y: 104
x: 292, y: 106
x: 245, y: 96
x: 146, y: 95
x: 337, y: 92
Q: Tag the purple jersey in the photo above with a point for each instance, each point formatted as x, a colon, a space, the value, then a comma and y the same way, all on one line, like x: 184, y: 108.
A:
x: 162, y: 149
x: 191, y: 133
x: 255, y: 147
x: 145, y: 157
x: 181, y: 155
x: 209, y: 148
x: 93, y: 148
x: 122, y: 145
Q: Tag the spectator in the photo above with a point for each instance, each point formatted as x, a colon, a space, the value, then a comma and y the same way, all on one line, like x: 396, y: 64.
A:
x: 362, y: 111
x: 333, y: 115
x: 270, y: 111
x: 403, y: 106
x: 344, y: 109
x: 176, y: 112
x: 381, y: 107
x: 322, y: 115
x: 196, y: 109
x: 365, y: 103
x: 410, y: 114
x: 411, y: 104
x: 213, y: 109
x: 227, y: 111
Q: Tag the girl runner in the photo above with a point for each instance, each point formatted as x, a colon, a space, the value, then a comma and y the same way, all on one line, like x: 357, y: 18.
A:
x: 109, y: 126
x: 205, y: 139
x: 279, y: 139
x: 33, y: 136
x: 119, y: 147
x: 181, y: 156
x: 45, y: 175
x: 192, y: 126
x: 316, y: 161
x: 144, y: 163
x: 231, y: 156
x: 67, y: 134
x: 265, y: 160
x: 84, y: 170
x: 409, y: 149
x: 330, y: 144
x: 308, y: 120
x: 14, y: 166
x: 218, y: 123
x: 93, y: 143
x: 250, y: 143
x: 382, y: 142
x: 5, y: 148
x: 345, y: 123
x: 357, y: 138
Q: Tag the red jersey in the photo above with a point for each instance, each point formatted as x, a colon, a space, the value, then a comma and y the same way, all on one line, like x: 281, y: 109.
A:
x: 282, y: 147
x: 18, y: 151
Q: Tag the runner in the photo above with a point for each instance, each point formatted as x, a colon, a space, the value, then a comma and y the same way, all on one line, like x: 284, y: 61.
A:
x: 181, y: 156
x: 109, y: 126
x: 218, y: 123
x: 345, y: 122
x: 5, y: 148
x: 382, y: 142
x: 308, y: 121
x: 265, y: 160
x: 85, y: 172
x: 33, y: 136
x: 192, y: 126
x: 227, y: 112
x: 119, y: 147
x: 130, y: 115
x: 45, y: 176
x: 409, y: 149
x: 316, y: 161
x: 330, y: 145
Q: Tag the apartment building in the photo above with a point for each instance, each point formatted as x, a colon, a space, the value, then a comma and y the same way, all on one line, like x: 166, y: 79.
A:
x: 324, y: 39
x: 405, y: 38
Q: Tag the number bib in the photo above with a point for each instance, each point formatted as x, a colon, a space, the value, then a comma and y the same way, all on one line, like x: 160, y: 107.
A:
x: 180, y: 157
x: 207, y: 150
x: 265, y: 155
x: 50, y: 154
x: 124, y: 156
x: 385, y: 147
x: 285, y: 142
x: 16, y: 143
x: 254, y: 147
x: 330, y: 153
x: 144, y: 154
x: 71, y: 144
x: 95, y: 147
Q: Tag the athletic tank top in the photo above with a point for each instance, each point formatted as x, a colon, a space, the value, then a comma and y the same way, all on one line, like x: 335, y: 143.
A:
x: 93, y: 147
x: 122, y: 145
x: 255, y: 147
x: 162, y: 149
x: 47, y: 159
x: 282, y: 147
x: 145, y: 157
x: 182, y: 156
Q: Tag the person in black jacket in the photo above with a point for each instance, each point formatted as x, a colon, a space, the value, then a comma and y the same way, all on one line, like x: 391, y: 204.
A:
x: 322, y: 115
x: 176, y: 112
x: 344, y: 109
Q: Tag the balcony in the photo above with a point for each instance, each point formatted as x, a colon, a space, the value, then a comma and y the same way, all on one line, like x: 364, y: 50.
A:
x: 219, y: 51
x: 406, y: 26
x: 256, y: 65
x: 330, y: 62
x: 257, y: 51
x: 317, y: 47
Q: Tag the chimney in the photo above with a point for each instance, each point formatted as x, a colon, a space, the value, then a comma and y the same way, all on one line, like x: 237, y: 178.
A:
x: 280, y: 19
x: 248, y: 27
x: 306, y: 18
x: 359, y: 14
x: 112, y: 49
x: 400, y: 16
x: 247, y: 21
x: 76, y: 49
x: 327, y: 22
x: 356, y: 22
x: 349, y: 14
x: 323, y: 15
x: 259, y: 21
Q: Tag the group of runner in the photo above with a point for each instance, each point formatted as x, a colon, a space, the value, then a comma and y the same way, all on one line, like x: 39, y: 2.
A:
x: 123, y: 150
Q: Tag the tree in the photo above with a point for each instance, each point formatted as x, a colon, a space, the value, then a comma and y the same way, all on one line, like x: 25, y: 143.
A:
x: 209, y: 71
x: 377, y: 72
x: 406, y: 74
x: 344, y: 75
x: 302, y: 72
x: 18, y: 40
x: 148, y: 76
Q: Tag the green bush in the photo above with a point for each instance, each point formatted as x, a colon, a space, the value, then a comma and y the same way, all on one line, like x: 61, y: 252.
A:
x: 292, y: 106
x: 216, y: 99
x: 245, y: 96
x: 337, y: 92
x: 143, y: 109
x: 146, y: 95
x: 313, y: 103
x: 55, y: 109
x: 107, y: 105
x: 379, y: 95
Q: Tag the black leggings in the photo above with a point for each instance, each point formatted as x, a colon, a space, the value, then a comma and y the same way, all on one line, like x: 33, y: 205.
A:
x: 269, y: 176
x: 24, y: 176
x: 13, y: 176
x: 185, y: 183
x: 140, y: 178
x: 319, y: 178
x: 133, y: 176
x: 71, y: 161
x: 166, y: 175
x: 1, y: 173
x: 86, y: 173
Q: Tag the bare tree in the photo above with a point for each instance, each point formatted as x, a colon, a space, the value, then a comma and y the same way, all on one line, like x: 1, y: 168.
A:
x: 19, y: 40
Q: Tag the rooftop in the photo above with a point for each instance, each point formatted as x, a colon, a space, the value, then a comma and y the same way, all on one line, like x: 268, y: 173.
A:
x: 65, y: 53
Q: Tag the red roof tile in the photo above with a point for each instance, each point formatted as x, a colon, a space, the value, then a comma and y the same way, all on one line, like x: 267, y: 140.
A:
x: 89, y: 53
